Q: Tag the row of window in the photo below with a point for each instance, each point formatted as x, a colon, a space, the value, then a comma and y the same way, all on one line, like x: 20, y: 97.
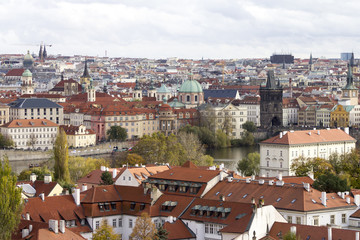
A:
x: 212, y: 228
x: 18, y: 130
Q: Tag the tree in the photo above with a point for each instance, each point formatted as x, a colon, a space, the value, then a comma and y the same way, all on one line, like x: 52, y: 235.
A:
x: 328, y: 182
x: 61, y: 156
x: 6, y: 142
x: 247, y: 139
x: 32, y: 141
x: 106, y: 178
x: 133, y: 158
x: 117, y: 133
x: 249, y: 126
x: 10, y: 201
x: 291, y: 236
x: 222, y: 140
x: 301, y: 166
x: 250, y: 165
x: 151, y: 148
x: 40, y: 172
x: 161, y: 233
x: 79, y: 166
x: 105, y: 232
x: 144, y: 228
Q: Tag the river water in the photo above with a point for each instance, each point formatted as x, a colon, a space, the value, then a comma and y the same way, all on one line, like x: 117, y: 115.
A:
x: 231, y: 156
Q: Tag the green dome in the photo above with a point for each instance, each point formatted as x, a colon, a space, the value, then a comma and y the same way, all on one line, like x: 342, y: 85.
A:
x: 191, y: 86
x: 163, y: 89
x: 27, y: 73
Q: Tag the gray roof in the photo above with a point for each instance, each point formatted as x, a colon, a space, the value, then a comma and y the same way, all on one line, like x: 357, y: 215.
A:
x: 34, y: 103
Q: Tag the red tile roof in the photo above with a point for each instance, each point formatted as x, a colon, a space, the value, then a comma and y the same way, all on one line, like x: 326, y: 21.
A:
x: 178, y: 230
x: 303, y: 137
x: 15, y: 72
x: 25, y: 123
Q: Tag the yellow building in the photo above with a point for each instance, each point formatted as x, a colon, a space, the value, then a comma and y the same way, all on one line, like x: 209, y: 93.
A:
x: 340, y: 115
x: 79, y: 136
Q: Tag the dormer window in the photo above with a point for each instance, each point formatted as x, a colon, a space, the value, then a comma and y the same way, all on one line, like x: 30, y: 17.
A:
x: 107, y: 206
x: 101, y: 207
x: 142, y: 206
x: 113, y: 206
x: 132, y: 206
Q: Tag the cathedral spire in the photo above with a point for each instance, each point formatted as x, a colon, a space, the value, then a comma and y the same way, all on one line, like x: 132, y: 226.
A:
x: 44, y: 53
x: 86, y: 71
x: 349, y: 77
x: 311, y: 59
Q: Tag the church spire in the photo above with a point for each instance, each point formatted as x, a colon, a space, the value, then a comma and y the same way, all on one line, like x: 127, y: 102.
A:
x: 349, y: 77
x: 86, y: 71
x: 311, y: 59
x: 44, y: 53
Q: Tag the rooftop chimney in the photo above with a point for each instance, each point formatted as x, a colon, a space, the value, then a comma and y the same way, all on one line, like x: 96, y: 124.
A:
x: 261, y: 181
x: 76, y: 196
x: 280, y: 176
x: 323, y: 198
x: 47, y: 178
x: 230, y: 179
x: 30, y: 228
x: 357, y: 199
x: 83, y: 187
x: 53, y: 226
x: 114, y: 173
x: 348, y: 200
x: 309, y: 133
x: 27, y: 216
x: 24, y: 233
x: 32, y: 177
x: 281, y: 134
x: 271, y: 182
x: 307, y: 186
x: 346, y: 130
x: 42, y: 195
x: 62, y: 226
x: 342, y: 195
x: 318, y: 132
x: 280, y: 183
x: 170, y: 219
x: 248, y: 180
x: 329, y: 233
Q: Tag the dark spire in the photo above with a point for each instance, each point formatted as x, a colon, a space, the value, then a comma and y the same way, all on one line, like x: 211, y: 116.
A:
x: 137, y: 87
x: 62, y: 76
x: 349, y: 78
x: 86, y: 71
x: 151, y: 87
x: 352, y: 60
x: 44, y: 52
x: 311, y: 60
x: 41, y: 52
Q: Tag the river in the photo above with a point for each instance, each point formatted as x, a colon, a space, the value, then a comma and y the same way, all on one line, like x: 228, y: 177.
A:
x: 230, y: 156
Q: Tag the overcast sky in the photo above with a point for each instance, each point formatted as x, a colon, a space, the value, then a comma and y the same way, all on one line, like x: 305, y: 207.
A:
x: 181, y: 28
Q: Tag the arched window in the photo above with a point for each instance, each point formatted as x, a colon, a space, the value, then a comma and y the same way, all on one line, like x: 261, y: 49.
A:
x: 196, y: 98
x: 188, y: 98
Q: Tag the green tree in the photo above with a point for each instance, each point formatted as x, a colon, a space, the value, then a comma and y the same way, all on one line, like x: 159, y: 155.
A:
x: 133, y: 158
x: 250, y: 165
x: 144, y: 228
x: 161, y: 233
x: 175, y: 152
x: 351, y: 167
x: 117, y: 133
x: 291, y: 236
x: 40, y: 172
x: 328, y: 182
x: 222, y: 139
x: 79, y: 166
x: 249, y: 126
x: 106, y: 178
x: 301, y: 166
x: 10, y: 201
x: 336, y: 162
x: 247, y: 139
x: 105, y: 232
x: 152, y: 148
x: 6, y: 142
x: 61, y: 156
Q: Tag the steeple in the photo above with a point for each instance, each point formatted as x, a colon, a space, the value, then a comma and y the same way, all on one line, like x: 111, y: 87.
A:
x: 41, y: 52
x: 310, y: 60
x: 86, y: 71
x: 271, y: 82
x: 349, y: 77
x: 44, y: 53
x: 137, y: 87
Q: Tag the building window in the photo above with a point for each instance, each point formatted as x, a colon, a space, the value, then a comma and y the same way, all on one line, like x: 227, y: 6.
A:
x: 267, y: 152
x: 120, y: 222
x: 280, y: 153
x: 316, y: 220
x: 130, y: 223
x: 289, y: 219
x: 206, y: 228
x: 97, y: 224
x: 267, y: 163
x: 298, y: 220
x: 114, y: 223
x: 343, y: 218
x: 332, y: 219
x: 281, y: 165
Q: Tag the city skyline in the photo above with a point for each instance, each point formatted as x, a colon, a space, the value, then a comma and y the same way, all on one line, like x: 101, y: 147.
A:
x: 186, y: 29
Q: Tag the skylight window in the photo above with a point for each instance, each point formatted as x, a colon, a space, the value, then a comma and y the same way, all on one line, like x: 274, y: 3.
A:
x: 229, y: 194
x: 244, y: 196
x: 313, y: 200
x: 294, y: 200
x: 278, y: 200
x: 217, y: 193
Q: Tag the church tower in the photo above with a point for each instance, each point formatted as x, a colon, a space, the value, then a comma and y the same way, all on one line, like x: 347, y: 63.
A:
x: 350, y: 92
x: 85, y: 78
x: 271, y: 102
x: 311, y: 65
x: 91, y: 93
x: 27, y: 86
x: 137, y: 93
x: 152, y: 90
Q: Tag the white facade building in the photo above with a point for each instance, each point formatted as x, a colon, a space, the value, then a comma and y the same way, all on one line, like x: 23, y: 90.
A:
x: 277, y: 153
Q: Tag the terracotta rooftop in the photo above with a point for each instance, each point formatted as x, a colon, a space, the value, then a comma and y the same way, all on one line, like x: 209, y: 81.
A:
x: 178, y: 230
x: 311, y: 136
x: 26, y: 123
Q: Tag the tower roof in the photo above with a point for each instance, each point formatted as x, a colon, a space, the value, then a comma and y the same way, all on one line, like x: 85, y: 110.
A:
x: 86, y: 71
x: 349, y: 78
x: 271, y: 82
x: 27, y: 73
x: 191, y: 86
x: 163, y: 89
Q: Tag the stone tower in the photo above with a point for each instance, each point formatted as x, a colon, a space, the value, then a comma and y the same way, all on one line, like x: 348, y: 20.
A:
x: 137, y: 93
x: 27, y: 86
x: 85, y: 78
x: 350, y: 92
x: 271, y: 102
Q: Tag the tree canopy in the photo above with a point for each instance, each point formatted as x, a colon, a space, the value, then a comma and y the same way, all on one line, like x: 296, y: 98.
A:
x: 106, y: 178
x: 79, y: 166
x: 144, y: 228
x: 329, y: 182
x: 117, y: 133
x: 105, y: 232
x: 10, y: 201
x: 6, y: 142
x: 249, y: 126
x: 61, y: 156
x: 39, y: 171
x: 133, y: 158
x: 161, y: 233
x: 250, y: 165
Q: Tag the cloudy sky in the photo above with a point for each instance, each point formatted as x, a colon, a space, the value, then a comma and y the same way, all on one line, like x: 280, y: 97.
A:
x: 181, y: 28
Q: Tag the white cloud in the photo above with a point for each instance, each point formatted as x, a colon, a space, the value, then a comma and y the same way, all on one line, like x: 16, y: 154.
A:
x: 191, y: 29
